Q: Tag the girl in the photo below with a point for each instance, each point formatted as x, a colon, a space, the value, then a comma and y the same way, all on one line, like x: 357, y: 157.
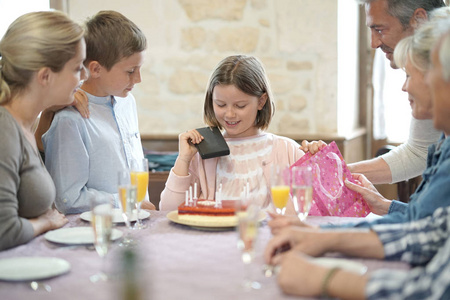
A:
x: 239, y: 102
x: 44, y: 71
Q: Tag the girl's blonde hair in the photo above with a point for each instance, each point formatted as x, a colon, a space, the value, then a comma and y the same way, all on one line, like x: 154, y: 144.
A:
x: 33, y: 41
x: 248, y: 75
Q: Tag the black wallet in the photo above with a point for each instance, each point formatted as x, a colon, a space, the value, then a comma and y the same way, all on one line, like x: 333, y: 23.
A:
x: 213, y: 144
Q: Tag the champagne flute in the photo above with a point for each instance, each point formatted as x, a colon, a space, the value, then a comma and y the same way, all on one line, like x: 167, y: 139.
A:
x: 102, y: 213
x: 247, y: 214
x: 301, y: 189
x: 127, y: 202
x: 139, y: 178
x: 279, y: 188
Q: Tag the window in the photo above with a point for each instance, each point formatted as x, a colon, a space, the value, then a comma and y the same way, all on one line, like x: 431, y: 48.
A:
x: 11, y: 10
x: 392, y: 112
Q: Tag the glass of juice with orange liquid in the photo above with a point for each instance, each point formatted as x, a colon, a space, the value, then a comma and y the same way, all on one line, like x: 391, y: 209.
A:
x: 280, y: 188
x: 139, y: 178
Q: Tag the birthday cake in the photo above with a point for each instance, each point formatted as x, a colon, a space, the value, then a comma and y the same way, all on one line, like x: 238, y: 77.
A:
x: 206, y: 211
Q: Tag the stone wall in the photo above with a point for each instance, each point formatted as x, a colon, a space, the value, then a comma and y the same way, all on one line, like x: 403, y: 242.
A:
x: 295, y: 39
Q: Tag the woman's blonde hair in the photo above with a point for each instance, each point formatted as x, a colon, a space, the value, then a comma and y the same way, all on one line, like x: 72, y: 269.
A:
x: 33, y: 41
x: 248, y: 75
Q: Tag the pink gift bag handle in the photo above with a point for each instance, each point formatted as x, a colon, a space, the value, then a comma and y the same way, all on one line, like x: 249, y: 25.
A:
x: 334, y: 156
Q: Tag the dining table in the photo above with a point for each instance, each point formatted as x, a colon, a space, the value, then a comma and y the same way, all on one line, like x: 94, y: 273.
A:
x: 173, y: 261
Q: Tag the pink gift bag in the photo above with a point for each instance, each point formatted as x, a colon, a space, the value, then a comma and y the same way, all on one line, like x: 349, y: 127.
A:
x: 330, y: 195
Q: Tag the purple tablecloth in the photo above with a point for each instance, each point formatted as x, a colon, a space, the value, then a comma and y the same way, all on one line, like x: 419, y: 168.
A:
x: 176, y: 262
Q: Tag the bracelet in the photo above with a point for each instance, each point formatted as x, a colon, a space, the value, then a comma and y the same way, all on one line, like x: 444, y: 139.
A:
x: 326, y: 281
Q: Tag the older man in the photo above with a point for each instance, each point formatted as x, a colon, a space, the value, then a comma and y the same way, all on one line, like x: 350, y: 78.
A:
x: 424, y: 243
x: 389, y: 22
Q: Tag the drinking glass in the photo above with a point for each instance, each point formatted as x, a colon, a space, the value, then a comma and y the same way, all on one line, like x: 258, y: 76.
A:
x: 102, y: 213
x: 279, y: 188
x: 127, y: 201
x: 301, y: 189
x: 247, y: 230
x: 139, y: 178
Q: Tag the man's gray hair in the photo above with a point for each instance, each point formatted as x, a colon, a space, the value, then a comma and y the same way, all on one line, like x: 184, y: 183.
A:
x: 403, y: 10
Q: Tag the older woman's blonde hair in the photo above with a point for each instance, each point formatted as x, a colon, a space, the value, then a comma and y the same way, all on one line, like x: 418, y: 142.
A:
x: 33, y: 41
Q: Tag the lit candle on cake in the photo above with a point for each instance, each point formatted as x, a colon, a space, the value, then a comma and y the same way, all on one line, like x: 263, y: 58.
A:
x: 219, y: 197
x: 191, y: 202
x: 195, y: 193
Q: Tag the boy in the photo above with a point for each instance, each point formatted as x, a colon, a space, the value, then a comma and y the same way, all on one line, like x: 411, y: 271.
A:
x: 84, y: 156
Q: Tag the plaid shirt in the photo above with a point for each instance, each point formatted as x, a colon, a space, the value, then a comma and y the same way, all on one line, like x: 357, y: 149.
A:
x: 424, y: 244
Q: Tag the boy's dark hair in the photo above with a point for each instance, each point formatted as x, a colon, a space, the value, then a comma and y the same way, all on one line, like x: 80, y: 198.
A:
x: 110, y: 36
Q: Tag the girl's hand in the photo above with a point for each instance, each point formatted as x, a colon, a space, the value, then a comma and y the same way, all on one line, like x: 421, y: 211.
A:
x: 186, y: 144
x: 186, y: 150
x: 312, y: 147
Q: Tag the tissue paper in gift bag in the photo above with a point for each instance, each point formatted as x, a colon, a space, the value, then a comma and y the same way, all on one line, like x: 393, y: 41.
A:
x: 330, y: 195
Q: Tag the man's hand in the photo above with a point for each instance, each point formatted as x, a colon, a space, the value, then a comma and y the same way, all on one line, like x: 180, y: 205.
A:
x: 309, y: 241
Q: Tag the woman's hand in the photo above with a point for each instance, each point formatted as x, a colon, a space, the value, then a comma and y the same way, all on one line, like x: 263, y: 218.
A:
x: 377, y: 203
x: 312, y: 147
x: 51, y: 219
x: 278, y: 222
x: 186, y: 150
x: 81, y: 103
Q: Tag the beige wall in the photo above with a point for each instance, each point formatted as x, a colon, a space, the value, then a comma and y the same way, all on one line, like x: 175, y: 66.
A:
x: 295, y: 39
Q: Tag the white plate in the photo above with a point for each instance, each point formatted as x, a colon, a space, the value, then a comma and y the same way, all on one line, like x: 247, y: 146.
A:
x: 32, y: 268
x: 76, y: 235
x: 344, y: 264
x: 173, y: 216
x: 117, y: 216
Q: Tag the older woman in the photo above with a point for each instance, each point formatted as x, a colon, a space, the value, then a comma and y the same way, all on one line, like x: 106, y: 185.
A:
x: 34, y: 75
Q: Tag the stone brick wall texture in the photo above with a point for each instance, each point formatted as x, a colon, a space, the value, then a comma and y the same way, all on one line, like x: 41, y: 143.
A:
x: 295, y: 39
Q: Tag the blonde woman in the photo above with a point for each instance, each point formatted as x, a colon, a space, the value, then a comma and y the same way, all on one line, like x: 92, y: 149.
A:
x: 43, y: 71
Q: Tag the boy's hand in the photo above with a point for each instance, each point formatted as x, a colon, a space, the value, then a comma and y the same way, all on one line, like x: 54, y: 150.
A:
x: 312, y: 147
x: 147, y: 205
